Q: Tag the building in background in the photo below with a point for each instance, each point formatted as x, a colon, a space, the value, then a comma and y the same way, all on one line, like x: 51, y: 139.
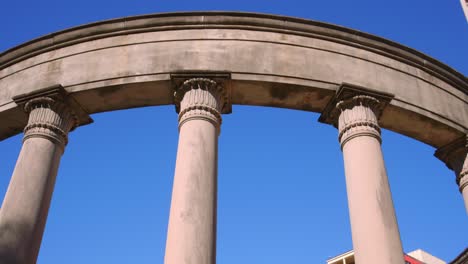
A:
x: 425, y: 257
x: 415, y: 257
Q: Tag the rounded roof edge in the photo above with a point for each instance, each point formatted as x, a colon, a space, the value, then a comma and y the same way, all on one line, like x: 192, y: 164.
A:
x: 293, y: 25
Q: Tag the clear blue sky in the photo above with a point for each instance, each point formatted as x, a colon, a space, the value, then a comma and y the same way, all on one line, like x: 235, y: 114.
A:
x: 282, y: 196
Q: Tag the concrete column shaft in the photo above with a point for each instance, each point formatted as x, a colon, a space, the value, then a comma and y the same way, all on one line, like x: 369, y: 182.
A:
x: 192, y: 225
x: 191, y: 237
x: 374, y: 228
x: 25, y: 206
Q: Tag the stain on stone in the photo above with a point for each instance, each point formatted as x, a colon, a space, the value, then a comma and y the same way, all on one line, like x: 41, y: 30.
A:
x: 322, y: 96
x: 108, y: 90
x: 12, y: 243
x: 279, y: 92
x: 54, y: 66
x: 383, y: 197
x: 309, y: 107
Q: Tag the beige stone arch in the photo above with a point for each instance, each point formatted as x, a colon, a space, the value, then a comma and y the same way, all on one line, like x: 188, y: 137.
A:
x: 359, y: 82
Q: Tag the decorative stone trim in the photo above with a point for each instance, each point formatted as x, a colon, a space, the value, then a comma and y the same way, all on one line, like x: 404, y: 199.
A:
x: 52, y: 114
x: 49, y: 119
x: 357, y: 118
x: 200, y: 98
x: 355, y: 111
x: 454, y: 155
x: 462, y: 180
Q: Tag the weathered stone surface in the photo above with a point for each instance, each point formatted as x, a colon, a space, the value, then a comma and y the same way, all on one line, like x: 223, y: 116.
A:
x: 355, y: 112
x: 263, y: 60
x: 273, y: 61
x: 191, y: 235
x: 24, y: 210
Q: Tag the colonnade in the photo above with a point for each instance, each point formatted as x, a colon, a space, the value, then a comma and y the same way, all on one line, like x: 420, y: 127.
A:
x: 191, y: 237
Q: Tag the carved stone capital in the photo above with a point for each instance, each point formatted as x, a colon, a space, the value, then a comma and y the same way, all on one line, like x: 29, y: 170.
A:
x: 454, y: 155
x: 52, y: 114
x: 462, y: 179
x: 201, y: 98
x: 358, y: 117
x: 355, y: 112
x: 49, y: 119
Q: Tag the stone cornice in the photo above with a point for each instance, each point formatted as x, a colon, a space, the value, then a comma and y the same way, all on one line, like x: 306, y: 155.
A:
x: 343, y: 98
x: 251, y: 21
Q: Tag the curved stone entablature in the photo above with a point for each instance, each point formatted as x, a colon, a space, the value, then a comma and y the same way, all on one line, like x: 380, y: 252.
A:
x: 272, y: 61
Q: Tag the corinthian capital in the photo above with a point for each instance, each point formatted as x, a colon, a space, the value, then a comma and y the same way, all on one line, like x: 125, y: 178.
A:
x: 355, y: 111
x: 52, y: 114
x: 454, y: 155
x: 201, y: 98
x: 49, y: 118
x: 358, y: 117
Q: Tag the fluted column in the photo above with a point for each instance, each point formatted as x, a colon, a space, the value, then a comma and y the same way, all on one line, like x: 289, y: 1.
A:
x: 374, y: 228
x: 191, y: 237
x: 455, y: 157
x: 25, y: 207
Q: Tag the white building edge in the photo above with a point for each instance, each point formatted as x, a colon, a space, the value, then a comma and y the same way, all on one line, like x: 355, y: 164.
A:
x: 425, y: 257
x: 418, y: 254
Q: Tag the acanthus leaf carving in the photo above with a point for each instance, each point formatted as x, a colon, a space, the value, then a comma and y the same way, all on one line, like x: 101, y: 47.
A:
x: 200, y: 98
x: 49, y: 118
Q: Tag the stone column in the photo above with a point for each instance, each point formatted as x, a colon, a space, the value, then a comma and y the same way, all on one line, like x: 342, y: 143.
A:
x: 455, y: 157
x: 374, y: 227
x: 191, y: 237
x: 25, y: 206
x: 462, y: 181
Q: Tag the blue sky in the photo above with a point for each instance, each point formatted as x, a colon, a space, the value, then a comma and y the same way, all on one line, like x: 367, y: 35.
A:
x: 282, y: 196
